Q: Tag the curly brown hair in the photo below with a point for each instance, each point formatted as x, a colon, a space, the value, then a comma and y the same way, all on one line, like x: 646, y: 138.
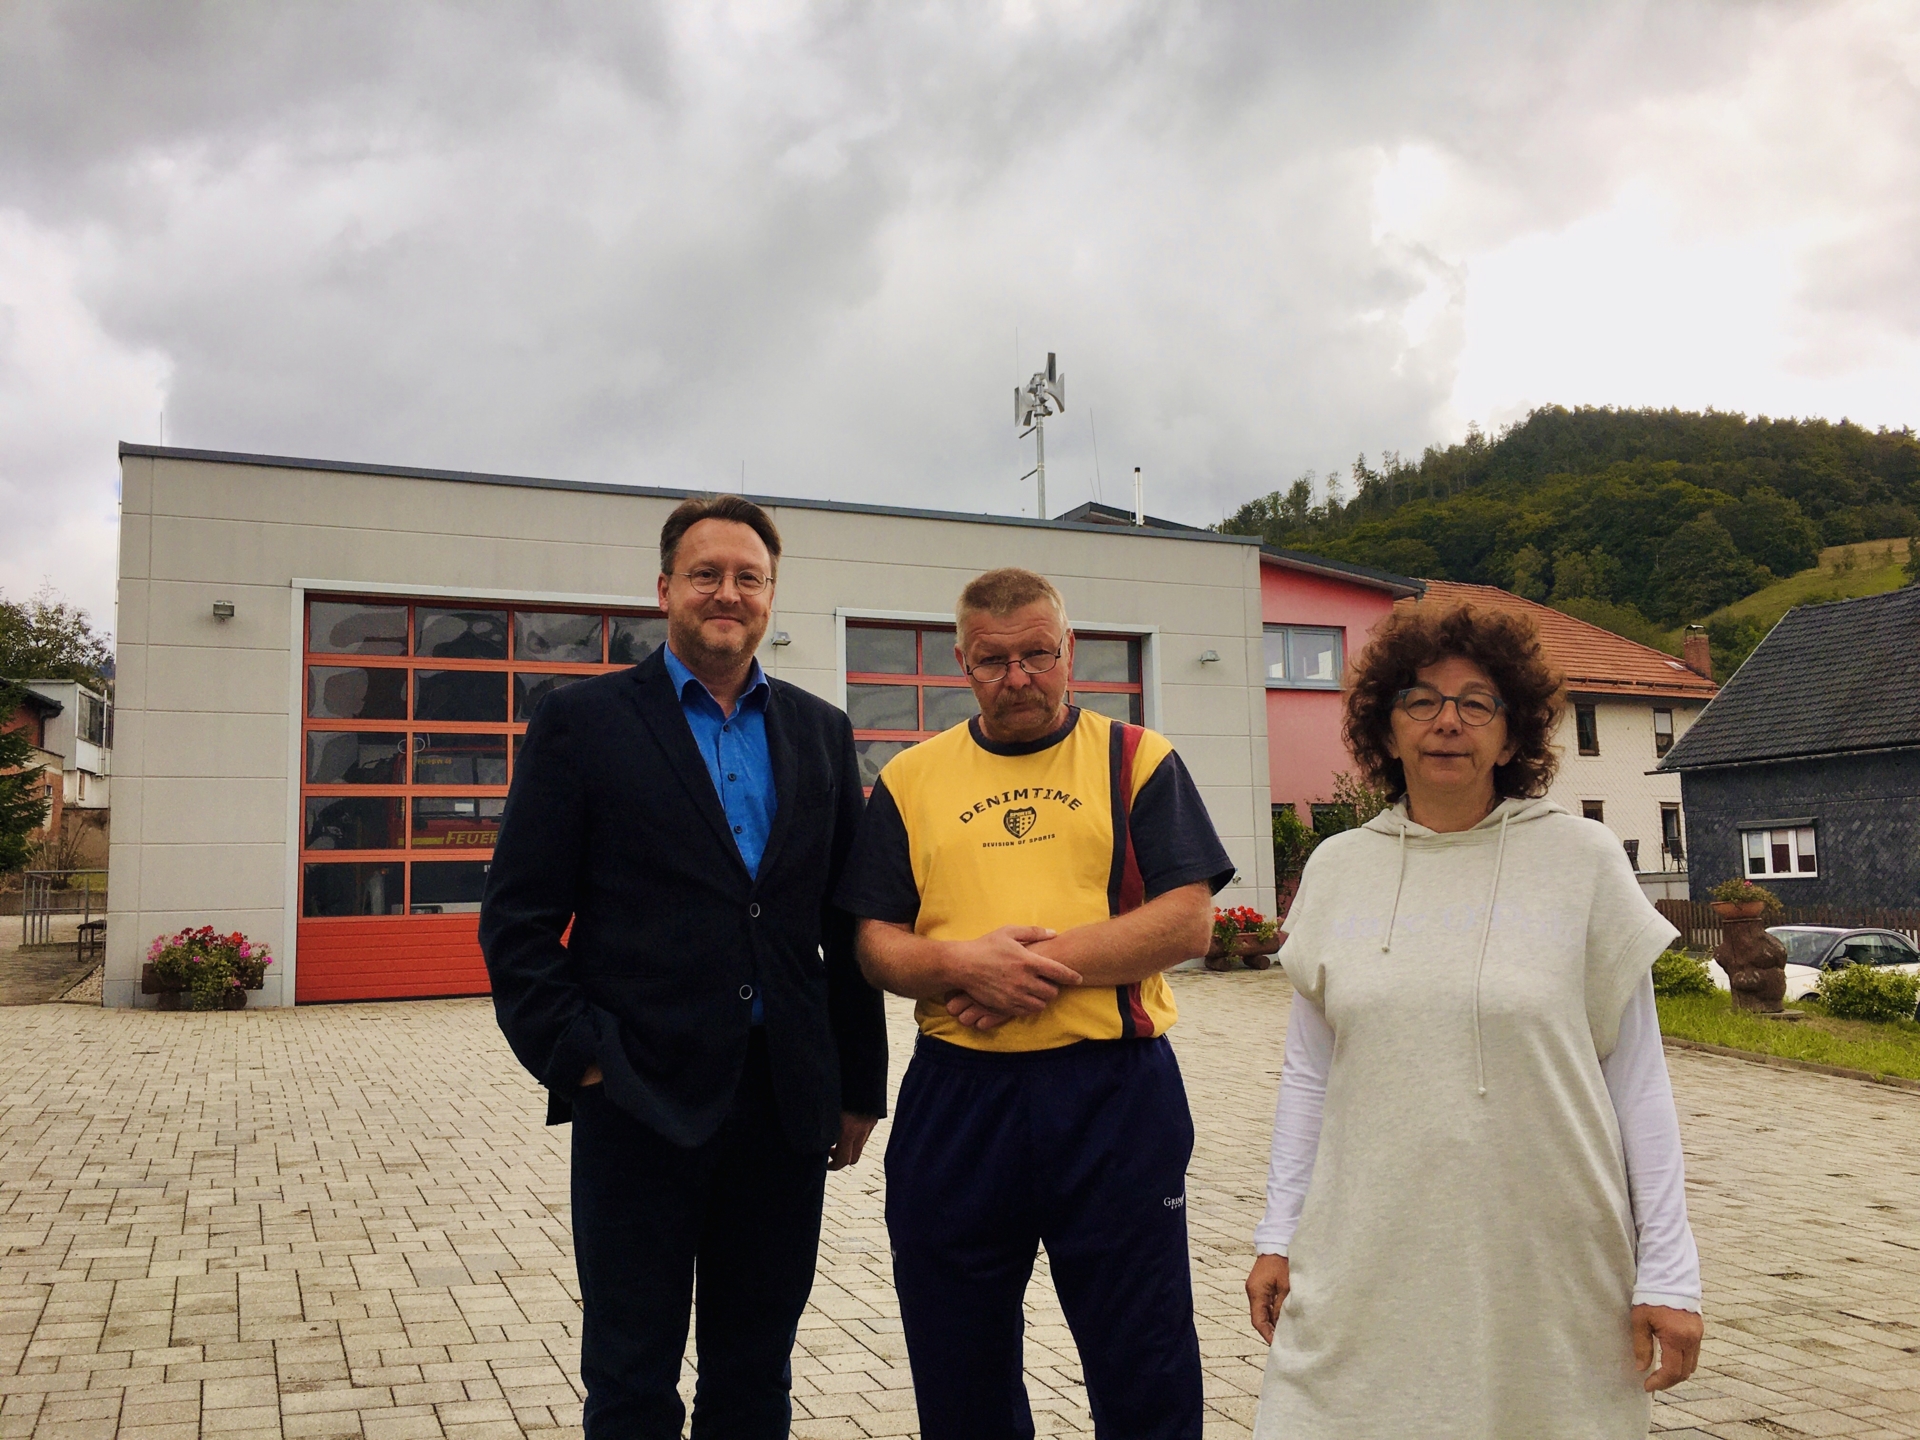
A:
x: 1503, y: 643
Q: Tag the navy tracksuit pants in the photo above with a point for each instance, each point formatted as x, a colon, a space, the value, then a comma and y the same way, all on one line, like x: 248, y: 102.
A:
x: 1083, y: 1149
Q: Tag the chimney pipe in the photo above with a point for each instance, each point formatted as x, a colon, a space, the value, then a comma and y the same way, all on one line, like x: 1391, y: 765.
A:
x: 1697, y: 653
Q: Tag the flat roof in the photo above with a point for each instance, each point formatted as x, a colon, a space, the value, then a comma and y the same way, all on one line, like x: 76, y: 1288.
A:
x: 654, y: 492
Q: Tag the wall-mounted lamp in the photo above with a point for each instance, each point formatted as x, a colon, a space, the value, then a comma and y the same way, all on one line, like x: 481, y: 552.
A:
x: 223, y: 609
x: 781, y: 637
x: 1209, y: 657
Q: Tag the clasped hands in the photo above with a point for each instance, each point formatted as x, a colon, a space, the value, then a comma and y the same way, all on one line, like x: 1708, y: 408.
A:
x: 1001, y: 976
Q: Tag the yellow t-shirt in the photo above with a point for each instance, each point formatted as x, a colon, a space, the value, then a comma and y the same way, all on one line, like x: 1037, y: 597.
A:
x: 963, y: 836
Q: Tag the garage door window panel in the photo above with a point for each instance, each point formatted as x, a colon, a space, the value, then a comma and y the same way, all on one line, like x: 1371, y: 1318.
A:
x: 351, y: 627
x: 447, y: 887
x: 354, y: 889
x: 460, y: 634
x: 356, y: 757
x: 457, y: 822
x: 356, y: 692
x: 558, y: 637
x: 355, y: 822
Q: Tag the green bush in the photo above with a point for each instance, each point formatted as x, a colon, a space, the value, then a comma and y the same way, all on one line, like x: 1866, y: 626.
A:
x: 1677, y: 973
x: 1861, y: 992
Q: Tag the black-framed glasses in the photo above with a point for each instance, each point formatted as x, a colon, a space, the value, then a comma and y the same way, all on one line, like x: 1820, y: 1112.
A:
x: 1038, y: 663
x: 1424, y: 703
x: 706, y: 580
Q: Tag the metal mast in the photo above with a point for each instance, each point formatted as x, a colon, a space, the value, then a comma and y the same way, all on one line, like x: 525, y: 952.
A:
x: 1045, y: 394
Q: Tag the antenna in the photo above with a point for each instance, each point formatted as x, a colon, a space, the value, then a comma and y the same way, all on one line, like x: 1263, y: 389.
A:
x: 1044, y: 395
x: 1099, y: 494
x: 1139, y: 499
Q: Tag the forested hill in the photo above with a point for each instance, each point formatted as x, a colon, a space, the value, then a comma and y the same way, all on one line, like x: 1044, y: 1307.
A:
x: 1673, y: 513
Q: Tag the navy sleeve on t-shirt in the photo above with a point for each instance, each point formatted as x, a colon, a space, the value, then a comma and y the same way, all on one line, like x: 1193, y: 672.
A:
x: 878, y: 881
x: 1173, y: 836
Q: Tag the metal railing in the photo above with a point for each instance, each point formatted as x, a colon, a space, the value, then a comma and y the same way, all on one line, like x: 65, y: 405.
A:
x: 48, y: 893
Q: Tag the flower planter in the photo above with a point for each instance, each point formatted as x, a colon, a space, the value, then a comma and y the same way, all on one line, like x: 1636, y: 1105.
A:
x: 1743, y: 910
x: 1255, y: 953
x: 170, y: 999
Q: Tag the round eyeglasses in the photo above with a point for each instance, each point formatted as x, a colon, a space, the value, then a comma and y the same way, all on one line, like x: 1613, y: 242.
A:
x: 1423, y: 703
x: 987, y: 672
x: 707, y: 581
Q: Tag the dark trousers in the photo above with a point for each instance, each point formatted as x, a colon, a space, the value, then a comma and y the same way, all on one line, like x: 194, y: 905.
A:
x: 1083, y: 1149
x: 742, y: 1214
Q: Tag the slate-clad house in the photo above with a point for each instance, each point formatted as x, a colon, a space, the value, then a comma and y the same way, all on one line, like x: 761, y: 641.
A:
x: 1804, y: 773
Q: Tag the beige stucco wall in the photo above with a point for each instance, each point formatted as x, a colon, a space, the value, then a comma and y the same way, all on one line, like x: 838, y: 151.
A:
x: 206, y: 746
x: 1618, y: 776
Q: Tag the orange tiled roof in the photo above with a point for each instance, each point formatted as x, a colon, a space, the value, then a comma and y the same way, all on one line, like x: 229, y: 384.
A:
x: 1595, y: 661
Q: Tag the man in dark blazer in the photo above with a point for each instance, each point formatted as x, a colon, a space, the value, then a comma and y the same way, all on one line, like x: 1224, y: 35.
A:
x: 666, y: 960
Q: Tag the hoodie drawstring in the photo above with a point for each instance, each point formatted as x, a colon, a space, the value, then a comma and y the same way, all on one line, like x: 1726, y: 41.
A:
x: 1386, y: 945
x: 1479, y: 964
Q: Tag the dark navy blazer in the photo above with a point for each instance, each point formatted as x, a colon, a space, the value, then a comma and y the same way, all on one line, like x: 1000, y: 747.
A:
x: 612, y: 827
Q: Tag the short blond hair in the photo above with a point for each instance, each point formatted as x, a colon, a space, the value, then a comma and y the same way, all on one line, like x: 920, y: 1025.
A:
x: 1003, y: 591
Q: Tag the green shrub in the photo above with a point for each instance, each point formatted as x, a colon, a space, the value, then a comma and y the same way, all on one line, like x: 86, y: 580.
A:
x: 1862, y: 992
x: 1677, y: 973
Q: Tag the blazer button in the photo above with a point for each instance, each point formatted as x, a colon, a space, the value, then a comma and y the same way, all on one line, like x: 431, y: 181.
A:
x: 746, y: 992
x: 753, y: 910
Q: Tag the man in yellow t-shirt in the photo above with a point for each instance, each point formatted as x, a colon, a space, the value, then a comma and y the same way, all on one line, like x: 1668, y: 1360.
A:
x: 1026, y: 877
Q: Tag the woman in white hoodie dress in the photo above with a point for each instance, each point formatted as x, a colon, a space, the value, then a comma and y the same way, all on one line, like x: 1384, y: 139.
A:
x: 1476, y: 1222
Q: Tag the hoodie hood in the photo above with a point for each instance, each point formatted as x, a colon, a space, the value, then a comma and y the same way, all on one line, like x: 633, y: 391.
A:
x: 1395, y: 822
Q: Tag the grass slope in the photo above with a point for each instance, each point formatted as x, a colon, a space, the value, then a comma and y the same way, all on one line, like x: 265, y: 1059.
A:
x: 1890, y: 1049
x: 1845, y: 572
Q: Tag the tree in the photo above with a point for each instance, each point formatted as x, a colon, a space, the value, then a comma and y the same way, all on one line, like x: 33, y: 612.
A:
x: 1912, y: 568
x: 1622, y: 620
x: 45, y: 638
x: 1583, y: 575
x: 23, y: 801
x: 1699, y: 569
x: 1771, y: 529
x: 1529, y: 574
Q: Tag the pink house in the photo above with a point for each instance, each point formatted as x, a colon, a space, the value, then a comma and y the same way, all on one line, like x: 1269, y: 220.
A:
x: 1317, y: 615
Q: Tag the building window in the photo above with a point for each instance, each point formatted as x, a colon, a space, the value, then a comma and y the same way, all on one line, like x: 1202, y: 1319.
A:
x: 1304, y: 657
x: 1662, y: 731
x: 1586, y: 723
x: 904, y: 685
x: 1783, y: 853
x: 1594, y: 810
x: 1671, y: 839
x: 91, y: 722
x: 414, y: 716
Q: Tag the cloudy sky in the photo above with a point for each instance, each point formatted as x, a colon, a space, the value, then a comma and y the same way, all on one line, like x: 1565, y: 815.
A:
x: 659, y: 243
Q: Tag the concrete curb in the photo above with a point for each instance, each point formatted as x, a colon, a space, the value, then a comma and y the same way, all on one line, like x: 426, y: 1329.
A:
x: 1783, y: 1062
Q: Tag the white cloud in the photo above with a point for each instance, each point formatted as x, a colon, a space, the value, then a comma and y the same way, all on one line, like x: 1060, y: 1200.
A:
x: 652, y: 243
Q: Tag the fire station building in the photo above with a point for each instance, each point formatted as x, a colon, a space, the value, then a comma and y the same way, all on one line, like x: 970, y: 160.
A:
x: 324, y: 670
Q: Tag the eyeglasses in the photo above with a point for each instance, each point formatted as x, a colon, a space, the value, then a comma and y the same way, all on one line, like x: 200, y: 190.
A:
x: 1423, y: 703
x: 987, y: 672
x: 707, y: 580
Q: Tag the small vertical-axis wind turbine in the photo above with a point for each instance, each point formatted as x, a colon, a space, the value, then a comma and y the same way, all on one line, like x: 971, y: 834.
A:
x: 1045, y: 394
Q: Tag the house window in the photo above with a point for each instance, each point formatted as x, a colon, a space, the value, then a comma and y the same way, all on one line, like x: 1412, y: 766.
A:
x: 414, y: 716
x: 1304, y: 657
x: 1783, y: 853
x: 1662, y: 731
x: 1671, y: 839
x: 1587, y: 723
x: 1594, y: 810
x: 904, y: 685
x: 92, y: 719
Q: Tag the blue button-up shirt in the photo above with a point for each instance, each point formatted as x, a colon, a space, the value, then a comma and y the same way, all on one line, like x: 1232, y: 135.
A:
x: 734, y: 748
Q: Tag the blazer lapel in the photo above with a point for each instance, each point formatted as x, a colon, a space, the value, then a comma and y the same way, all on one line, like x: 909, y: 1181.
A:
x: 660, y: 708
x: 785, y: 755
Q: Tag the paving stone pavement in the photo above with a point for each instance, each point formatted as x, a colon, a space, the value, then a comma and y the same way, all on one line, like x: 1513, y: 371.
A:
x: 349, y: 1221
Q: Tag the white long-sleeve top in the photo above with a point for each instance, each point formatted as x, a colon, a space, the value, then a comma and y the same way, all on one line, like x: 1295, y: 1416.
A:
x: 1636, y: 1078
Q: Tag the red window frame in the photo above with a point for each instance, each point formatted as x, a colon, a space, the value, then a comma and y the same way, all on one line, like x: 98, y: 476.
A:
x: 407, y: 853
x: 923, y: 680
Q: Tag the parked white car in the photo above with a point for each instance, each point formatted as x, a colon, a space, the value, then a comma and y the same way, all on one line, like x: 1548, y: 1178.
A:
x: 1813, y: 949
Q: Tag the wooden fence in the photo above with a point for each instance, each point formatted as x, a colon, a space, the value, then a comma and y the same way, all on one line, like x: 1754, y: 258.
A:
x: 1699, y: 927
